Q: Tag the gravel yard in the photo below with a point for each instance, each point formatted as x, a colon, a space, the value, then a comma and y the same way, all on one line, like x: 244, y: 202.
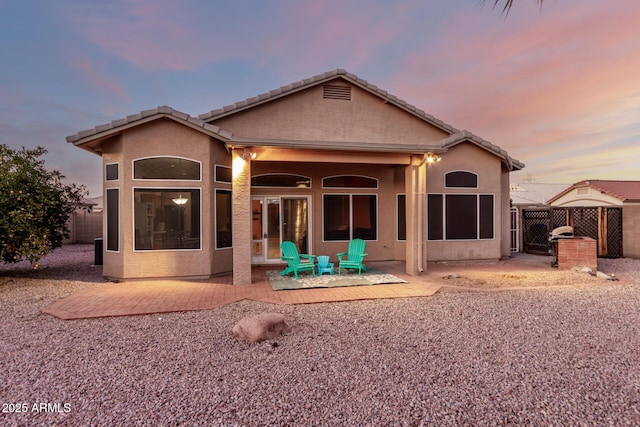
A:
x: 554, y: 355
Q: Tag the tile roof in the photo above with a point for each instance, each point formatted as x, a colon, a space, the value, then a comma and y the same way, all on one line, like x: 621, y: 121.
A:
x: 89, y: 137
x: 321, y: 78
x: 456, y: 137
x: 465, y: 135
x: 116, y: 126
x: 621, y: 190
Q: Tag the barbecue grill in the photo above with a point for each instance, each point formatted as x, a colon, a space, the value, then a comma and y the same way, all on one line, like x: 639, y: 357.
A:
x: 564, y: 232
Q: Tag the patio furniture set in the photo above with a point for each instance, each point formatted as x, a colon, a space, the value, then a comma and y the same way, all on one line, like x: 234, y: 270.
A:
x: 351, y: 259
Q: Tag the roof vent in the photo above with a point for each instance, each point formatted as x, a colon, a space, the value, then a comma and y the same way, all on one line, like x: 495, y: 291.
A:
x: 583, y: 190
x: 336, y: 92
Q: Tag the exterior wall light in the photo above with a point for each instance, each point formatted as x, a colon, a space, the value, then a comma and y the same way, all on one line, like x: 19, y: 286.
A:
x: 248, y: 154
x: 432, y: 158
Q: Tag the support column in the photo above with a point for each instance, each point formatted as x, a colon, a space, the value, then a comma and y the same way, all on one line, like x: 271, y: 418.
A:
x: 415, y: 189
x: 241, y: 217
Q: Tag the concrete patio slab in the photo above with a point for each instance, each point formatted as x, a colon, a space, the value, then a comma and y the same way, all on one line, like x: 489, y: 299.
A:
x: 162, y: 296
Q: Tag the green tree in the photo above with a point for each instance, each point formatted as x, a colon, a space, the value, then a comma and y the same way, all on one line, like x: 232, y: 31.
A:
x: 34, y: 206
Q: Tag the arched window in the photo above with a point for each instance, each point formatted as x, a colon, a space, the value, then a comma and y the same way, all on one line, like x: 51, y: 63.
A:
x: 349, y: 181
x: 169, y: 168
x: 461, y: 179
x: 281, y: 180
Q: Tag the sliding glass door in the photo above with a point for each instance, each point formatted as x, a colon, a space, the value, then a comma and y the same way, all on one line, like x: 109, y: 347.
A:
x: 274, y: 220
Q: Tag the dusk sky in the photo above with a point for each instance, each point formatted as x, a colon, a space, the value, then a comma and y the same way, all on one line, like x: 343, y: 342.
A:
x: 558, y: 87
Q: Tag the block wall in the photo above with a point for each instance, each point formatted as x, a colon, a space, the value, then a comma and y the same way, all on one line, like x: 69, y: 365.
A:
x: 577, y: 252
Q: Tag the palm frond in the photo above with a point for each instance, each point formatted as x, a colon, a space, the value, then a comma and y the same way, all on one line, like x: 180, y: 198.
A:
x: 507, y: 5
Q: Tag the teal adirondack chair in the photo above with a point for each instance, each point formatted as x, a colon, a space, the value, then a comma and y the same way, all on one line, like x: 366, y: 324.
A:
x: 294, y: 262
x: 355, y: 255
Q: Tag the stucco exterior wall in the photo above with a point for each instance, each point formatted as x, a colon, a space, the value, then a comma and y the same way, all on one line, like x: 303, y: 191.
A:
x: 503, y: 215
x: 306, y: 116
x: 221, y: 260
x: 168, y: 139
x: 631, y: 230
x: 468, y: 157
x: 113, y: 262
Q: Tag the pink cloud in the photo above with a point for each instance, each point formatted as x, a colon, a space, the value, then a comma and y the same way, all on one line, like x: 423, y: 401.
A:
x: 343, y: 33
x: 153, y: 35
x: 532, y: 88
x: 100, y: 80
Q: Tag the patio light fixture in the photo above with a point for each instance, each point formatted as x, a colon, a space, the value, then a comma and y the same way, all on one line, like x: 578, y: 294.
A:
x: 432, y: 158
x: 248, y: 154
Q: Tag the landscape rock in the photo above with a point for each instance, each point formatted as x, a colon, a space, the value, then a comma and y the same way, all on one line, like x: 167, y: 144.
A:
x: 582, y: 269
x: 261, y: 327
x: 604, y: 276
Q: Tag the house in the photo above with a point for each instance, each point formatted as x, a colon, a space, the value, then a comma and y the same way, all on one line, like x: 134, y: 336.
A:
x: 600, y: 195
x: 533, y: 194
x: 597, y: 192
x: 317, y: 162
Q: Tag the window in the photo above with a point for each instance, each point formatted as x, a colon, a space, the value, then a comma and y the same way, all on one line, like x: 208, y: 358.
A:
x: 402, y: 216
x: 223, y: 174
x: 223, y: 219
x: 166, y: 168
x: 111, y: 172
x: 461, y: 179
x: 166, y: 219
x: 460, y: 216
x: 349, y: 181
x: 434, y: 217
x: 113, y: 219
x: 350, y: 216
x: 281, y: 180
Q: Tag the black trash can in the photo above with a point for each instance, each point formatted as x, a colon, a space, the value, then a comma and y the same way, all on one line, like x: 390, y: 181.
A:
x: 97, y: 256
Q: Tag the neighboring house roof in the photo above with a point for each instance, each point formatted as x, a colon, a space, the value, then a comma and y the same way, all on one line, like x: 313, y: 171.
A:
x: 90, y: 139
x: 622, y: 190
x: 86, y: 202
x: 534, y: 193
x: 98, y: 202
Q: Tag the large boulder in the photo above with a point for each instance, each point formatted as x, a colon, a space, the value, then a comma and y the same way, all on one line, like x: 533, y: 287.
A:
x: 261, y: 327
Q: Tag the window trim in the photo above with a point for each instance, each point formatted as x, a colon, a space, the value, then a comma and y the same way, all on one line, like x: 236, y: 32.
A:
x: 215, y: 174
x: 376, y: 180
x: 398, y: 195
x: 133, y: 169
x: 106, y: 209
x: 117, y: 171
x: 461, y: 170
x: 350, y: 195
x: 280, y: 186
x: 133, y: 216
x: 215, y: 221
x: 478, y: 221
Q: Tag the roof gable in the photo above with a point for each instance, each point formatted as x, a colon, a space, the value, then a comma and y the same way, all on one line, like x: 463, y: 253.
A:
x: 90, y: 139
x: 318, y: 80
x: 621, y: 190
